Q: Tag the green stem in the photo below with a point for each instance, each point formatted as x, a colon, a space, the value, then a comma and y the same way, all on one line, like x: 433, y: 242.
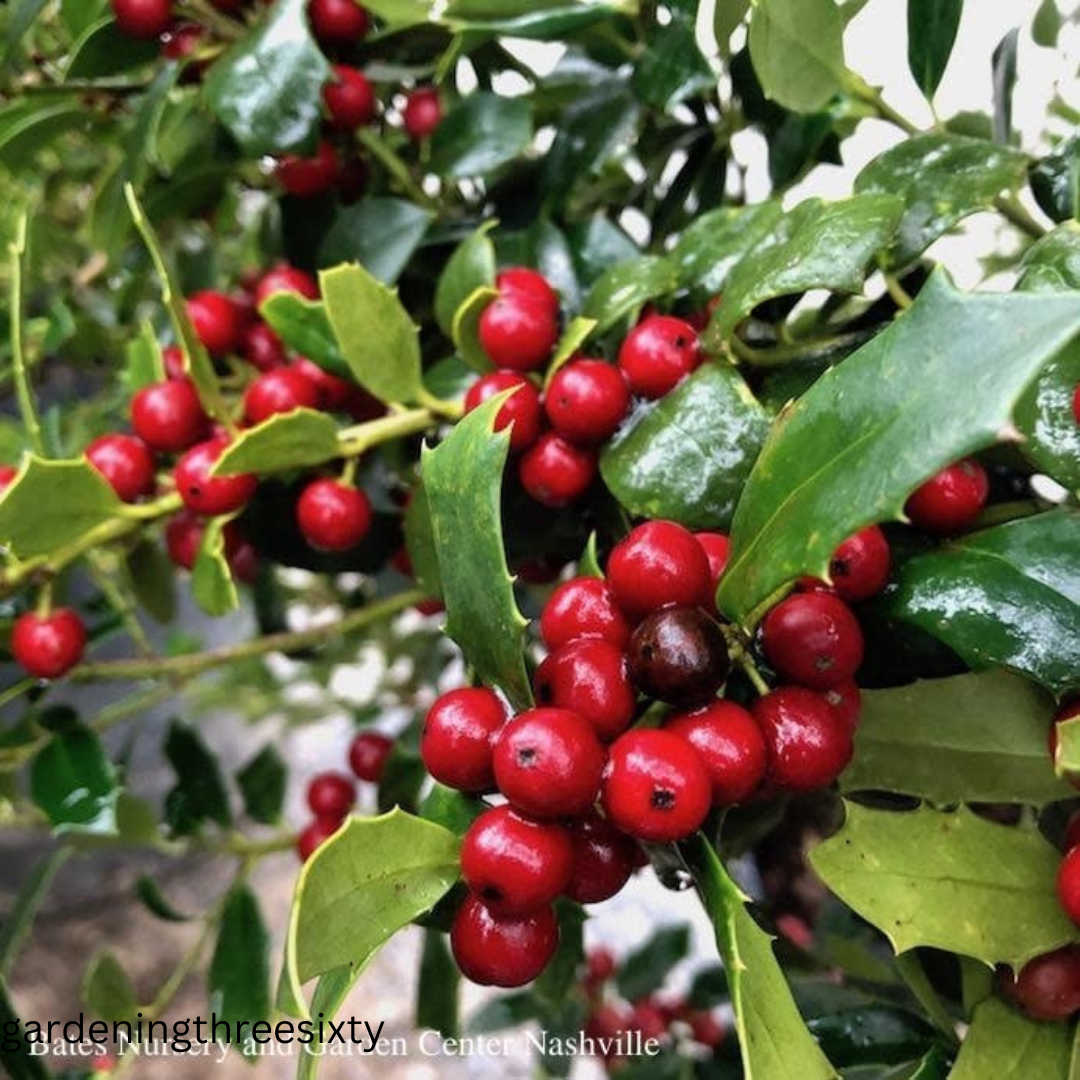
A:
x: 361, y: 438
x: 397, y: 168
x: 83, y: 87
x: 900, y: 295
x: 804, y: 349
x: 119, y: 602
x: 1010, y: 207
x: 871, y: 95
x: 17, y: 248
x: 210, y: 16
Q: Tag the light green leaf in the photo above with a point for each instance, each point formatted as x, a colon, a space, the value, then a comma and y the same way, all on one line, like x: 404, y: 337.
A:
x: 1052, y: 263
x: 471, y: 267
x: 303, y: 325
x: 293, y: 440
x: 107, y: 989
x: 466, y: 328
x: 1005, y: 1044
x: 212, y: 583
x: 728, y: 17
x: 577, y: 332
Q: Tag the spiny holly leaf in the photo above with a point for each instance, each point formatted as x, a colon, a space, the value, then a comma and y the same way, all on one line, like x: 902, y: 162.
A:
x: 978, y: 737
x: 371, y: 878
x: 870, y: 430
x: 199, y: 793
x: 107, y: 989
x: 212, y: 583
x: 262, y: 783
x: 267, y: 90
x: 623, y: 288
x: 387, y: 362
x: 239, y: 975
x: 816, y: 245
x: 932, y: 26
x: 1005, y: 1044
x: 709, y: 250
x: 942, y: 179
x: 1052, y: 263
x: 773, y: 1039
x: 688, y: 455
x: 291, y: 440
x: 1046, y: 419
x: 481, y: 134
x: 463, y: 483
x: 1008, y: 595
x: 471, y: 267
x: 950, y: 881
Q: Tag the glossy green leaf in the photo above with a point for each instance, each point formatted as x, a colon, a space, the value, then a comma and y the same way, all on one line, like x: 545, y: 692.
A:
x: 471, y: 267
x: 646, y: 969
x: 1045, y: 417
x: 797, y: 47
x: 103, y: 51
x: 303, y: 325
x: 481, y: 134
x: 199, y: 793
x: 107, y: 989
x: 727, y: 18
x: 978, y: 737
x: 569, y: 345
x: 622, y: 290
x: 672, y: 67
x: 869, y: 431
x: 262, y: 784
x: 292, y: 440
x: 463, y: 482
x: 816, y: 245
x: 74, y: 783
x: 29, y: 126
x: 1009, y: 595
x: 239, y: 977
x: 932, y: 26
x: 267, y: 89
x: 688, y: 456
x: 709, y: 250
x: 437, y: 987
x: 152, y: 576
x: 465, y: 328
x: 950, y: 881
x: 371, y: 878
x: 451, y: 809
x: 1055, y: 181
x: 1005, y: 1044
x: 547, y: 20
x: 212, y: 584
x: 774, y: 1042
x: 942, y: 179
x: 149, y: 891
x: 380, y: 233
x: 420, y: 543
x: 871, y: 1033
x: 1052, y: 263
x: 53, y: 503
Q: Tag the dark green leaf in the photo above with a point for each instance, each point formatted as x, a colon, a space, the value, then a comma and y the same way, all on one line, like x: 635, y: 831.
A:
x: 1052, y: 263
x: 267, y: 90
x: 239, y: 977
x: 292, y: 440
x: 1045, y: 417
x: 437, y: 988
x: 303, y: 325
x: 450, y: 809
x: 28, y: 126
x: 912, y: 873
x: 710, y: 249
x: 942, y: 180
x: 872, y: 1034
x: 1004, y: 68
x: 74, y: 783
x: 107, y: 989
x: 463, y: 482
x: 471, y: 267
x: 671, y: 68
x: 885, y: 409
x: 970, y: 738
x: 688, y: 456
x: 1005, y: 1044
x: 1046, y: 25
x: 212, y: 584
x: 403, y: 777
x: 103, y: 50
x: 932, y: 26
x: 21, y: 18
x: 598, y: 243
x: 1008, y: 595
x: 623, y: 288
x: 18, y: 1063
x: 1055, y: 181
x: 482, y: 133
x: 199, y: 793
x: 149, y: 892
x: 709, y: 988
x: 420, y: 543
x: 449, y: 379
x: 262, y: 783
x: 153, y: 579
x: 380, y: 233
x: 646, y: 970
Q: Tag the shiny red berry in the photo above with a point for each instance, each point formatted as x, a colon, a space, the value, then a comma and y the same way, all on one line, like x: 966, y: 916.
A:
x: 523, y: 279
x: 599, y: 964
x: 846, y: 703
x: 262, y: 348
x: 730, y: 745
x: 126, y: 464
x: 589, y: 677
x: 1068, y: 884
x: 859, y: 567
x: 502, y: 950
x: 950, y: 501
x: 367, y: 755
x: 517, y: 331
x: 217, y: 319
x: 279, y: 391
x: 808, y: 746
x: 180, y: 42
x: 285, y: 278
x: 655, y: 787
x: 521, y: 411
x: 515, y: 865
x: 350, y: 98
x: 422, y: 113
x: 457, y: 737
x: 315, y: 835
x: 48, y: 646
x: 305, y: 177
x: 678, y: 655
x: 173, y: 358
x: 211, y: 495
x: 142, y: 19
x: 168, y: 416
x: 338, y: 22
x: 183, y: 536
x: 555, y: 472
x: 583, y: 607
x: 1076, y: 403
x: 717, y: 548
x: 587, y: 400
x: 548, y: 763
x: 659, y: 564
x: 604, y: 859
x: 333, y: 516
x: 813, y: 639
x: 658, y: 354
x: 331, y: 795
x: 334, y: 394
x: 1048, y: 987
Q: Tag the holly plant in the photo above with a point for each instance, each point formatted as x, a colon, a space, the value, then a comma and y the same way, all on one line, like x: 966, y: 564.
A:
x: 462, y: 366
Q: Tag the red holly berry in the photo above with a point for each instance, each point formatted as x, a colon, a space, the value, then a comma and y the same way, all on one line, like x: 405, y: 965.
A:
x: 950, y: 501
x: 211, y: 495
x: 279, y: 391
x: 706, y: 1029
x: 173, y: 358
x: 808, y: 746
x: 1076, y: 403
x: 179, y: 42
x: 604, y: 859
x: 1048, y: 987
x: 183, y: 535
x: 338, y: 22
x: 261, y: 347
x: 589, y: 676
x: 305, y: 177
x: 285, y: 278
x: 658, y: 354
x: 331, y: 795
x: 659, y: 564
x: 655, y: 786
x: 846, y: 703
x: 48, y: 646
x: 422, y: 113
x: 126, y: 464
x: 515, y: 865
x: 795, y: 929
x: 505, y: 951
x: 334, y: 394
x: 583, y: 607
x: 548, y: 763
x: 859, y: 567
x: 587, y: 400
x: 730, y: 745
x: 217, y: 319
x: 518, y: 331
x: 168, y: 416
x: 456, y: 740
x: 1068, y: 884
x: 523, y: 279
x: 1072, y: 831
x: 717, y: 547
x: 350, y: 98
x: 813, y: 639
x: 7, y: 474
x: 678, y: 655
x: 368, y: 754
x: 142, y: 19
x: 555, y: 472
x: 521, y: 412
x: 241, y: 556
x: 599, y: 964
x: 315, y: 835
x: 333, y: 516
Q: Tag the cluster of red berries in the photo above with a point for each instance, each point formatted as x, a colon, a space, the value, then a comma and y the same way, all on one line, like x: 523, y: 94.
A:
x: 331, y: 795
x: 672, y: 1022
x: 349, y: 98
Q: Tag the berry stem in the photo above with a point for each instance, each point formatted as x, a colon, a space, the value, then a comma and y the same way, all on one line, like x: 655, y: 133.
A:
x: 397, y: 168
x: 359, y: 439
